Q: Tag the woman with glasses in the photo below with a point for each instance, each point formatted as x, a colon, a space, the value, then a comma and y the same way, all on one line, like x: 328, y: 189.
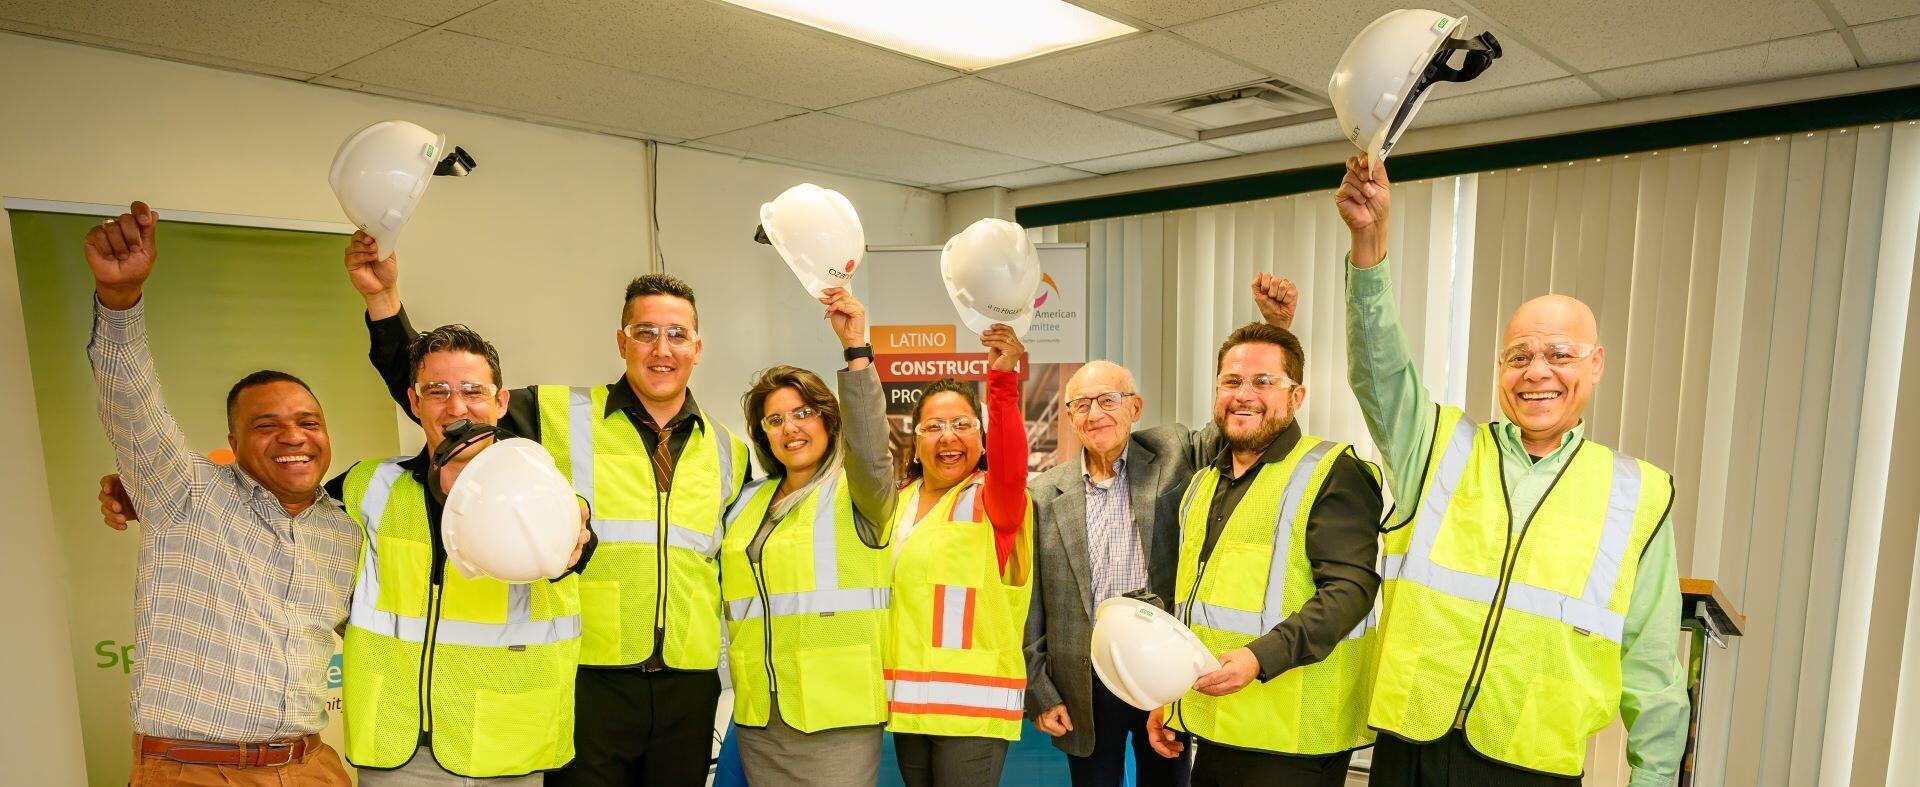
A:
x: 804, y: 568
x: 956, y: 677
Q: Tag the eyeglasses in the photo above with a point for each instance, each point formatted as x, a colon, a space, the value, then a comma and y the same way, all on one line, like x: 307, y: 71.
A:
x: 647, y: 333
x: 959, y: 426
x: 1520, y: 356
x: 440, y: 391
x: 774, y: 421
x: 1109, y: 402
x: 1262, y: 383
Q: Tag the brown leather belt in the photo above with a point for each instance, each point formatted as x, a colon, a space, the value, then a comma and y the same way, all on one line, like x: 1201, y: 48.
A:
x: 250, y: 755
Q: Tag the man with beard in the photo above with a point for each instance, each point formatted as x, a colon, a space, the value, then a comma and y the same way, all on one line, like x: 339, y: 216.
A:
x: 1276, y: 575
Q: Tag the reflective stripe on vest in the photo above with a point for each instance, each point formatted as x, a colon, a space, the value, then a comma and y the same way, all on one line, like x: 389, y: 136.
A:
x: 520, y: 628
x: 1587, y: 612
x: 580, y: 417
x: 1272, y: 611
x: 827, y: 595
x: 955, y: 694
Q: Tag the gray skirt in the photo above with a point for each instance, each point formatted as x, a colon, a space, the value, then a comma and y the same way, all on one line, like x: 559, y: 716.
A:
x: 777, y: 754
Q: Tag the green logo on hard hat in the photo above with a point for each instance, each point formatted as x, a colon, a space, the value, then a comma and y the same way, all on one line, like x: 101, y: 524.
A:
x: 426, y: 150
x: 1144, y: 613
x: 1442, y: 24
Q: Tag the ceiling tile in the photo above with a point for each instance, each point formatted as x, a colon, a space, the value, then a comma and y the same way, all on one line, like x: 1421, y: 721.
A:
x: 1860, y: 12
x: 994, y: 117
x: 1596, y: 36
x: 706, y: 43
x: 1269, y: 37
x: 1021, y: 180
x: 1156, y: 66
x: 1790, y: 57
x: 1507, y: 102
x: 426, y: 12
x: 854, y: 146
x: 1897, y: 41
x: 1167, y: 13
x: 1159, y: 157
x: 489, y: 73
x: 1283, y: 137
x: 285, y: 34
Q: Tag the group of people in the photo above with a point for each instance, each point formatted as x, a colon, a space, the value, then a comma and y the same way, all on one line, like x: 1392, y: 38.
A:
x: 842, y: 603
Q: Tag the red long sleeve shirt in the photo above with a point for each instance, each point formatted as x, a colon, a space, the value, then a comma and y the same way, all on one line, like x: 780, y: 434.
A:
x: 1006, y: 485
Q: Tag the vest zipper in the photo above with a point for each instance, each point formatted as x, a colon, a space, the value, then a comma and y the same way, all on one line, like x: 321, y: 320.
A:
x: 1186, y: 619
x: 766, y: 626
x: 1508, y: 562
x: 426, y: 656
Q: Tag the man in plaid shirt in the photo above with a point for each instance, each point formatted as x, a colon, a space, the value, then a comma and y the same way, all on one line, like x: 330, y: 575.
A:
x: 244, y: 569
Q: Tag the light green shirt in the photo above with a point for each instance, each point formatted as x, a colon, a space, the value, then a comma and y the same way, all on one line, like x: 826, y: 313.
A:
x: 1399, y: 414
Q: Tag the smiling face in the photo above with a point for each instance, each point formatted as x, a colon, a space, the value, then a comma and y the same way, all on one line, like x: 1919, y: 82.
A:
x: 1102, y: 433
x: 1251, y: 418
x: 657, y: 370
x: 798, y: 444
x: 279, y: 439
x: 455, y: 368
x: 1543, y: 399
x: 946, y: 456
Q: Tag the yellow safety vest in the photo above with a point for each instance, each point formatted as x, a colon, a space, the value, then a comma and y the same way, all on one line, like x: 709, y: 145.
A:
x: 808, y: 622
x: 1256, y: 577
x: 631, y: 585
x: 956, y: 665
x: 1514, y: 637
x: 500, y: 659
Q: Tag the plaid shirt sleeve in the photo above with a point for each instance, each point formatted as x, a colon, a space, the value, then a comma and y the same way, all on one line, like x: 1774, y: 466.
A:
x: 161, y: 472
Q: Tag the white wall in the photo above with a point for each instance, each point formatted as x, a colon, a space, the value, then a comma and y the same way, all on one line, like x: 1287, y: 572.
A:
x: 532, y: 250
x: 753, y: 314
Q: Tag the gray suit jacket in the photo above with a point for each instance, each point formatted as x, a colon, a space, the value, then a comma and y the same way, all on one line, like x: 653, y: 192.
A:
x: 1059, y: 635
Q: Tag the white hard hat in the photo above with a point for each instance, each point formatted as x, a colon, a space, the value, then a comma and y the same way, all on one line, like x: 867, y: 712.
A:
x: 381, y: 171
x: 511, y: 515
x: 1383, y: 78
x: 817, y: 232
x: 1144, y: 655
x: 992, y: 273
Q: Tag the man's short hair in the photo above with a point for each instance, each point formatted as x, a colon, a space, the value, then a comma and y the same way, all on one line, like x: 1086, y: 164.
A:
x: 259, y: 378
x: 1262, y: 333
x: 452, y: 338
x: 657, y: 284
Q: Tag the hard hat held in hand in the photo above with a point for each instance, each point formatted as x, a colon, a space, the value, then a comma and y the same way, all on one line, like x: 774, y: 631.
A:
x: 1383, y: 78
x: 511, y: 515
x: 1144, y: 655
x: 818, y: 233
x: 992, y: 273
x: 381, y: 171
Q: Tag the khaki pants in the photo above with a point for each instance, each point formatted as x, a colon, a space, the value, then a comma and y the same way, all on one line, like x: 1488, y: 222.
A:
x: 424, y: 771
x: 319, y: 768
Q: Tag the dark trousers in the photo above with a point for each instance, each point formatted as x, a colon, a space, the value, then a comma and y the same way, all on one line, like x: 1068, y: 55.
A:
x: 1448, y: 762
x: 949, y: 761
x: 1215, y: 765
x: 1113, y: 720
x: 632, y: 727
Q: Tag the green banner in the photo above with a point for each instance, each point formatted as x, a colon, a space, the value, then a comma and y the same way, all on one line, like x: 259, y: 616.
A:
x: 223, y: 301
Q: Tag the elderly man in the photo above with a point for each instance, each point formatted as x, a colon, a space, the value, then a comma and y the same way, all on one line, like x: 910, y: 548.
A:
x: 1530, y: 589
x: 1108, y: 525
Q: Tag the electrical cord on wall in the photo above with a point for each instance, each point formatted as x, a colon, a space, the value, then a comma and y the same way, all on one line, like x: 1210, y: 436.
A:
x: 659, y: 261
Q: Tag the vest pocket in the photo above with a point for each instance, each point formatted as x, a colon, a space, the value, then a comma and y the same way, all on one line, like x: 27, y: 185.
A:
x: 515, y: 732
x: 600, y: 621
x: 1237, y: 575
x: 839, y: 687
x: 402, y: 567
x: 363, y: 719
x: 1558, y: 717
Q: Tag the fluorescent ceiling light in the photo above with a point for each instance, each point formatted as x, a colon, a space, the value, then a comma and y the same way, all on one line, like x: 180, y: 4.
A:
x: 968, y: 35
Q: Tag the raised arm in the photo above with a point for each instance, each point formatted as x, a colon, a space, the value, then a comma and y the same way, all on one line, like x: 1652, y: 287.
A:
x: 161, y: 472
x: 1398, y: 409
x: 868, y: 466
x: 1006, y: 486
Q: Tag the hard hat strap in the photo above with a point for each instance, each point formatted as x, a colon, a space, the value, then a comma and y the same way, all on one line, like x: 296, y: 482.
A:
x: 456, y: 164
x: 1481, y: 51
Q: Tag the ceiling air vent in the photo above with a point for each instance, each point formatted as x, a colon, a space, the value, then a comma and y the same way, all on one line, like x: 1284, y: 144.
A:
x: 1237, y: 110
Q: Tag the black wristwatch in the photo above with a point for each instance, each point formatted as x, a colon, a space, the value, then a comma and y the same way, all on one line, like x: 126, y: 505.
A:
x: 863, y: 351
